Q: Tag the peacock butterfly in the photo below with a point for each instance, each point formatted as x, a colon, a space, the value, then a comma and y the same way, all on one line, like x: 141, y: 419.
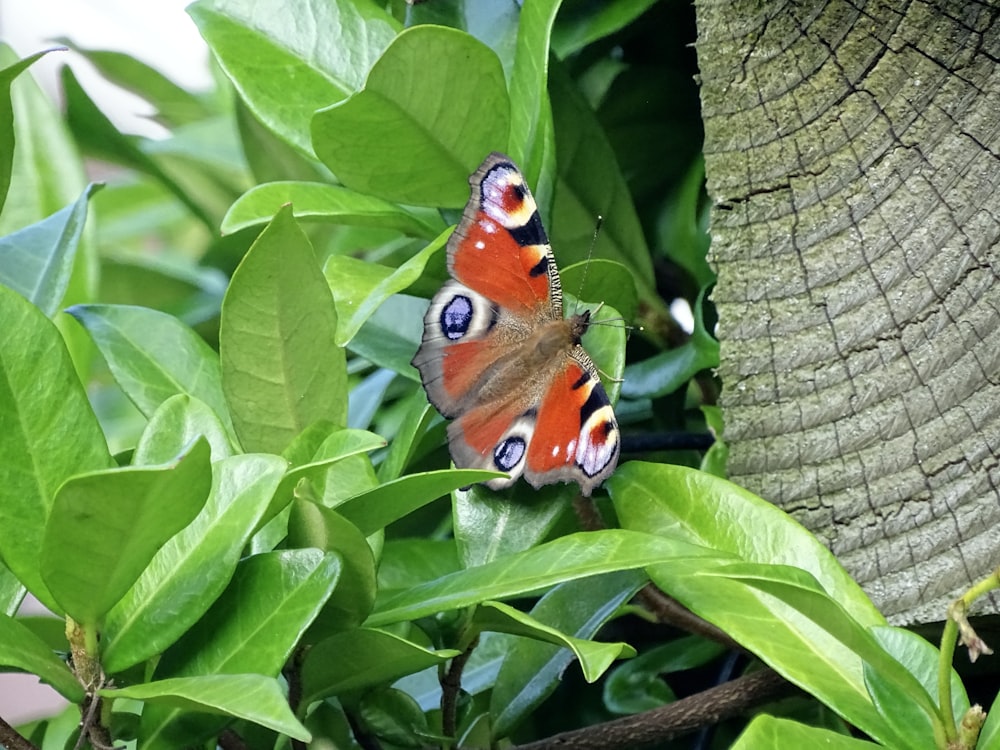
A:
x: 499, y: 358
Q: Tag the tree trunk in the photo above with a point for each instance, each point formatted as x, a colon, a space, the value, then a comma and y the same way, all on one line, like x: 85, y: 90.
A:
x: 852, y: 151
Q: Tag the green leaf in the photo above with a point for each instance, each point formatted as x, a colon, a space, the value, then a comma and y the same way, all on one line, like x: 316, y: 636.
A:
x: 11, y: 592
x: 360, y: 288
x: 154, y: 356
x: 637, y: 685
x: 312, y: 525
x: 106, y: 526
x: 191, y: 570
x: 363, y: 658
x: 394, y: 717
x: 174, y: 105
x: 261, y: 51
x: 770, y: 733
x: 98, y: 137
x: 376, y: 508
x: 22, y: 649
x: 41, y: 403
x: 664, y: 373
x: 414, y: 120
x: 989, y: 734
x: 7, y: 76
x: 532, y: 670
x: 488, y: 525
x: 319, y: 202
x: 564, y: 559
x: 176, y: 424
x: 281, y: 368
x: 247, y: 696
x: 392, y: 334
x: 251, y: 628
x: 531, y: 112
x: 690, y: 505
x: 582, y: 24
x: 594, y: 657
x: 418, y: 415
x: 603, y: 281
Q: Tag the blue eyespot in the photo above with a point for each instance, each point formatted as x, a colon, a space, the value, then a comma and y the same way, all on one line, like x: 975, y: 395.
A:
x: 456, y: 317
x: 509, y: 453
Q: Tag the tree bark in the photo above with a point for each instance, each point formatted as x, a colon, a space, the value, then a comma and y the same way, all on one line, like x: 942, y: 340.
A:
x: 852, y: 151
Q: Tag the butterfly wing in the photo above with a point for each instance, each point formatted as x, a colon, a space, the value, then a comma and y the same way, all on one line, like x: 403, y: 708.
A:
x: 498, y: 356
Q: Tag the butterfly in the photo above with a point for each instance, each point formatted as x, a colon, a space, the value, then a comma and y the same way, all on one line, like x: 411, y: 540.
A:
x: 499, y: 358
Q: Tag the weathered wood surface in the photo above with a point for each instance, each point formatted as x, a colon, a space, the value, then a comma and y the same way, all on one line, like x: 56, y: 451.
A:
x: 852, y: 151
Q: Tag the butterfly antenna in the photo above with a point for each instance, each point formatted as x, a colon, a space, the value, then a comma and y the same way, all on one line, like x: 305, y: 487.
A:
x: 590, y: 255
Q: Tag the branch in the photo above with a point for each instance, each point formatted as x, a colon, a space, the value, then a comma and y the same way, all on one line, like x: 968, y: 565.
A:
x: 11, y: 739
x: 681, y: 717
x: 451, y: 686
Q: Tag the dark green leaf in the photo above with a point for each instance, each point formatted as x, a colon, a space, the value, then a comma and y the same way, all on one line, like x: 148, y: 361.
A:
x: 193, y: 567
x: 261, y: 49
x: 41, y: 403
x: 106, y: 526
x: 394, y: 717
x: 248, y: 696
x: 281, y: 367
x: 410, y: 135
x: 581, y: 24
x: 603, y: 282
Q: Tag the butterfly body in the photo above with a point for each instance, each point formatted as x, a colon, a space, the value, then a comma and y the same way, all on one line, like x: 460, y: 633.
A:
x: 498, y: 356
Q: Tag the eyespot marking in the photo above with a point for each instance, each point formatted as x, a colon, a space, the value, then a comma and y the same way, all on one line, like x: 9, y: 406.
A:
x: 456, y: 317
x: 508, y: 454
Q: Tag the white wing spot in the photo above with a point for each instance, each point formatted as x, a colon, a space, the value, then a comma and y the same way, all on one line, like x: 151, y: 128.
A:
x: 480, y: 245
x: 555, y: 451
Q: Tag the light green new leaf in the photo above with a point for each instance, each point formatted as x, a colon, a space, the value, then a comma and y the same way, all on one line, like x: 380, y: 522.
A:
x: 360, y: 288
x: 7, y: 76
x: 281, y: 368
x: 250, y: 629
x: 705, y: 510
x: 769, y: 733
x: 106, y: 526
x: 410, y: 135
x: 177, y: 423
x: 317, y: 201
x: 187, y: 575
x: 154, y: 356
x: 594, y: 657
x: 564, y: 559
x: 37, y: 261
x: 261, y: 49
x: 22, y: 649
x: 377, y: 508
x: 50, y: 433
x: 363, y: 658
x: 989, y: 734
x: 252, y: 697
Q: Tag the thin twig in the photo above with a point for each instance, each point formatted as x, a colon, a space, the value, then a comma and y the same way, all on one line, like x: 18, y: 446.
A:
x: 11, y: 739
x: 451, y: 687
x: 678, y: 718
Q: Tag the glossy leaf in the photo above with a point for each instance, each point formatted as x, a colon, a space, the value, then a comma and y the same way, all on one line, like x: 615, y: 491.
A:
x: 392, y: 334
x: 191, y: 570
x: 250, y: 629
x: 413, y: 111
x: 377, y: 508
x: 281, y: 368
x: 580, y: 24
x: 312, y: 525
x: 363, y: 658
x: 770, y: 733
x: 599, y: 281
x: 154, y: 356
x: 565, y: 559
x: 361, y: 288
x: 418, y: 415
x: 319, y: 202
x: 11, y: 592
x: 41, y: 402
x: 247, y: 696
x: 532, y: 670
x: 38, y: 260
x: 260, y: 51
x: 22, y: 649
x: 595, y: 657
x: 106, y: 526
